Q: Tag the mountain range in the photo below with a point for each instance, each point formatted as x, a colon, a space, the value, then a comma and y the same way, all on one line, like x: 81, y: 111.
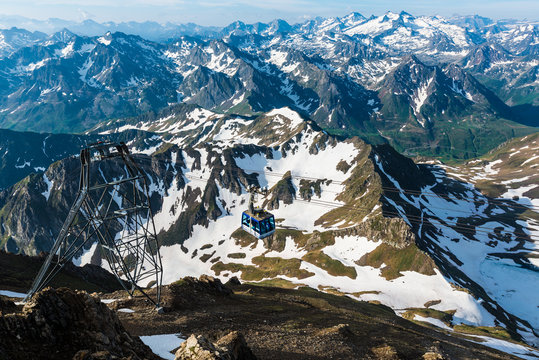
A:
x: 428, y: 85
x: 326, y: 115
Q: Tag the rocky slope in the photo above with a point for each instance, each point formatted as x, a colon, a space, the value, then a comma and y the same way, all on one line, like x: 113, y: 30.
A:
x: 65, y: 85
x: 508, y: 171
x: 232, y: 321
x: 13, y: 39
x: 17, y: 273
x: 64, y: 324
x: 294, y: 324
x: 514, y: 78
x: 24, y: 153
x: 352, y: 218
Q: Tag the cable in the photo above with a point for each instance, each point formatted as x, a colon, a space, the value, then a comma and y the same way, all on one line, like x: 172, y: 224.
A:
x: 390, y: 189
x: 387, y: 188
x: 413, y: 219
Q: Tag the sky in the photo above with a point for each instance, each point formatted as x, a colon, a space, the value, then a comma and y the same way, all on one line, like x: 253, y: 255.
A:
x: 223, y: 12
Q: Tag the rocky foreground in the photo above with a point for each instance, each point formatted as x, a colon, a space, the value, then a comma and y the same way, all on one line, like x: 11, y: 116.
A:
x: 67, y: 324
x: 231, y: 321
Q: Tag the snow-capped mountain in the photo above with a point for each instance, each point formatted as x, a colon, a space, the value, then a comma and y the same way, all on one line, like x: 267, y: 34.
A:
x: 394, y: 32
x: 70, y: 83
x: 210, y: 111
x: 13, y: 39
x: 24, y: 153
x: 148, y: 29
x: 352, y: 218
x: 515, y: 76
x: 433, y: 100
x: 66, y: 85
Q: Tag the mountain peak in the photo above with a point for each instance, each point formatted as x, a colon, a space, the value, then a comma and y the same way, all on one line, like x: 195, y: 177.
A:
x: 63, y: 35
x: 353, y: 16
x: 412, y: 59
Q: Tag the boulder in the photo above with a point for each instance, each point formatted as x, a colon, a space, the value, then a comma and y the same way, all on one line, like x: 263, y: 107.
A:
x: 229, y: 347
x: 189, y: 292
x: 233, y: 281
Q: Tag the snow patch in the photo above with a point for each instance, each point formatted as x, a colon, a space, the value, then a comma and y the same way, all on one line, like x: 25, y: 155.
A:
x: 50, y: 184
x: 104, y: 41
x: 433, y: 321
x: 163, y: 344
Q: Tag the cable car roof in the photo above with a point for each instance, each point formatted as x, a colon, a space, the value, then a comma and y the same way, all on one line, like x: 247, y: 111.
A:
x: 259, y: 214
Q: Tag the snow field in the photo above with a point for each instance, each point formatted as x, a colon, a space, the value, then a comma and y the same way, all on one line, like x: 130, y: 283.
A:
x: 163, y: 344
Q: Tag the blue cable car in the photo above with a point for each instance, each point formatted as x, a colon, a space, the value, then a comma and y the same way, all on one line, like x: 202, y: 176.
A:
x: 257, y: 221
x: 260, y: 223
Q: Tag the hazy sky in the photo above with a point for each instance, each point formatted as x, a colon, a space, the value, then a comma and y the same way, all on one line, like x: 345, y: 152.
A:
x: 223, y: 12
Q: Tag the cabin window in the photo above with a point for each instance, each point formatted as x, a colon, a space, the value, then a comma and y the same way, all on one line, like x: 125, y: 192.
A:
x: 262, y: 226
x: 245, y: 219
x: 271, y: 221
x: 255, y: 226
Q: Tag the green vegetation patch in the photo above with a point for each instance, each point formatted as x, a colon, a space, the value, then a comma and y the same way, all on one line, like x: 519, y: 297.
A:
x: 496, y: 332
x: 332, y: 266
x: 359, y: 293
x: 445, y: 316
x: 265, y: 267
x: 318, y: 240
x: 243, y: 238
x: 299, y: 237
x: 278, y: 282
x: 396, y: 260
x: 332, y: 290
x: 163, y: 148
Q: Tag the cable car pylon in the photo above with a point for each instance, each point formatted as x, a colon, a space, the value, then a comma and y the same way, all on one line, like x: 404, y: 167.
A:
x: 116, y: 214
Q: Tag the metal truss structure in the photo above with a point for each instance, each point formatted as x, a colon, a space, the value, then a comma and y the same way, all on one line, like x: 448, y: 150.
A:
x: 114, y: 213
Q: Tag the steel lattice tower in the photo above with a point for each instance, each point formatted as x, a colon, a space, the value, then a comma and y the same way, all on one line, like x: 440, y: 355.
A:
x: 118, y: 215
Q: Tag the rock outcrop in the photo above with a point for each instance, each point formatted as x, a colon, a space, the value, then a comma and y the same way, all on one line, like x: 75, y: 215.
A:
x: 229, y: 347
x: 66, y: 324
x: 191, y: 292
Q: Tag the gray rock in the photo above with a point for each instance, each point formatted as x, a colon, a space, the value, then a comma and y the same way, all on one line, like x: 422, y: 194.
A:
x: 229, y: 347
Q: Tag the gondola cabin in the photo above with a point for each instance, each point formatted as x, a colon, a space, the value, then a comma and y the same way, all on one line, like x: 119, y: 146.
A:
x: 259, y: 223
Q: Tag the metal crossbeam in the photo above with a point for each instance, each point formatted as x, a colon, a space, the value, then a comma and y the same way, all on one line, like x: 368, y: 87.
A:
x: 115, y: 213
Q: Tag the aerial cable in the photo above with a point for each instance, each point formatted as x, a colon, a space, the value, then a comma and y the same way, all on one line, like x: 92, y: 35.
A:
x: 413, y: 219
x: 497, y: 201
